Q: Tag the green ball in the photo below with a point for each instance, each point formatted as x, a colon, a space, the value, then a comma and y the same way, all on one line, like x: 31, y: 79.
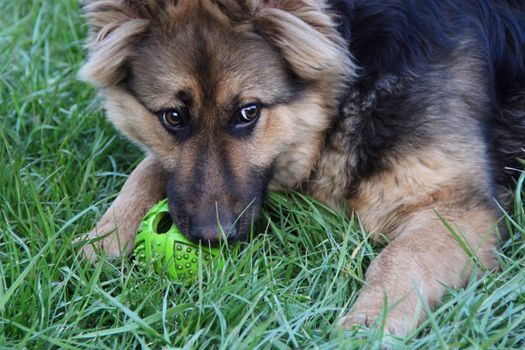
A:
x: 162, y: 246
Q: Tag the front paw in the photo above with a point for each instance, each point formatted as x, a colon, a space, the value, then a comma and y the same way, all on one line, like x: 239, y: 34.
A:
x: 88, y: 248
x: 396, y: 321
x: 107, y: 243
x: 355, y: 320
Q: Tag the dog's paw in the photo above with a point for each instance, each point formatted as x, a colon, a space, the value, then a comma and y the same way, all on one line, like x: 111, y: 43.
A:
x: 355, y: 320
x: 390, y: 327
x: 95, y: 244
x: 87, y: 246
x: 393, y: 322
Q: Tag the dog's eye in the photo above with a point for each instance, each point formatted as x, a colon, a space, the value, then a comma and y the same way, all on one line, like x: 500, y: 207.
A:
x: 173, y: 119
x: 249, y: 113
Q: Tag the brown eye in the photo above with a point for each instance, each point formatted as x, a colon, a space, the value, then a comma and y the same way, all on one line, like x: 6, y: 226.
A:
x: 173, y: 119
x: 249, y: 113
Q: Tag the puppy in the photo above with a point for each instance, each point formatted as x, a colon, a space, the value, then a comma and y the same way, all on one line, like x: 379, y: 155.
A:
x: 410, y: 112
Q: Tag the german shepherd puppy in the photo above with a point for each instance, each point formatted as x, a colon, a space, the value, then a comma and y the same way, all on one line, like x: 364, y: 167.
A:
x: 411, y: 112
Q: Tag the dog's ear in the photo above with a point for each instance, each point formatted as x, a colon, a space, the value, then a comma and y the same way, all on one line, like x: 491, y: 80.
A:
x: 115, y: 25
x: 306, y: 35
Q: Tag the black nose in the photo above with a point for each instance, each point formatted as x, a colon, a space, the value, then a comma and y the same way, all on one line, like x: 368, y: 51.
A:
x: 212, y: 233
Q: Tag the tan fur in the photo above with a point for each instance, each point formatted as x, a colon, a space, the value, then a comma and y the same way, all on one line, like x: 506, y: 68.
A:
x: 114, y: 30
x: 130, y: 117
x: 116, y: 27
x: 301, y: 137
x: 307, y: 38
x: 422, y: 180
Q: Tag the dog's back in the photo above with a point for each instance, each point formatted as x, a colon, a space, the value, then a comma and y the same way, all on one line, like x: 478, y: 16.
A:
x: 404, y: 38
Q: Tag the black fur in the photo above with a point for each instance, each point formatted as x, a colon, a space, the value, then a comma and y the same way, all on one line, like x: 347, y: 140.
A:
x: 406, y: 49
x: 393, y: 36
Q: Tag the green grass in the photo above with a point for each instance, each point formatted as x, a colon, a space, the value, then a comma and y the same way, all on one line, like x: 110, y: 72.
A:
x: 61, y: 164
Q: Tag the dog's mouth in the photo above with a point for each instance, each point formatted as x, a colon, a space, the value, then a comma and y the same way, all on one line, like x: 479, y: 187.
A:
x: 214, y: 233
x: 167, y: 221
x: 214, y: 227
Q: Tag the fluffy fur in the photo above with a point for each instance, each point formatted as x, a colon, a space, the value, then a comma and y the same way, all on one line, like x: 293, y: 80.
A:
x: 411, y: 112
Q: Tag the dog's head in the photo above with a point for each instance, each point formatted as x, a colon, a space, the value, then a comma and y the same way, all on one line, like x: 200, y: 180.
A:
x: 229, y: 95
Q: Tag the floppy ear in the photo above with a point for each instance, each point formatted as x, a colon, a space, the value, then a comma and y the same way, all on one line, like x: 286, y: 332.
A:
x: 306, y: 35
x: 115, y: 25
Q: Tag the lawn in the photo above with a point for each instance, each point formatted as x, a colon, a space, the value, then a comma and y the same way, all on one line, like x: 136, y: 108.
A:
x: 62, y: 163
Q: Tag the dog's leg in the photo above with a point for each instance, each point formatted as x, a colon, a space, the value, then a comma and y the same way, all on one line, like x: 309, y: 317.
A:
x: 115, y: 232
x: 419, y: 264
